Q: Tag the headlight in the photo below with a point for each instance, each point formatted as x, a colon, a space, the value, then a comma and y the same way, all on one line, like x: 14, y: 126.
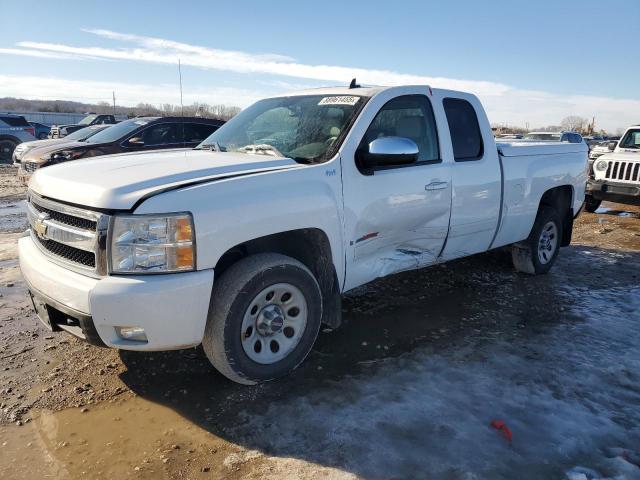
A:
x: 601, y: 165
x: 66, y: 155
x: 20, y: 152
x: 152, y: 243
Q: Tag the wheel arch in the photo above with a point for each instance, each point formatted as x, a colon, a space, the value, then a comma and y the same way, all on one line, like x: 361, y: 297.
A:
x: 312, y: 247
x: 4, y: 136
x: 561, y: 198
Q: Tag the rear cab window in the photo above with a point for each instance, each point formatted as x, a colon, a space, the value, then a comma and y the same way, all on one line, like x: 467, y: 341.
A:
x: 464, y: 129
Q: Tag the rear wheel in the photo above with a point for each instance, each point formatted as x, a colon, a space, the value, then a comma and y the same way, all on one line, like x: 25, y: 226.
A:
x: 7, y: 146
x: 538, y: 253
x: 264, y: 318
x: 591, y: 204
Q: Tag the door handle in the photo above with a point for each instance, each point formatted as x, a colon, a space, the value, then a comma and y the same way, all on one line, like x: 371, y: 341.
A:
x: 436, y: 185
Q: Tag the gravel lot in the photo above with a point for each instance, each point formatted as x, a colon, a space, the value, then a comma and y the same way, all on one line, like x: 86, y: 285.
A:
x: 407, y: 388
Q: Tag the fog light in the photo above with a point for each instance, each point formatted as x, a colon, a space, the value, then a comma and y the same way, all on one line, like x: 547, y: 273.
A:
x: 134, y: 334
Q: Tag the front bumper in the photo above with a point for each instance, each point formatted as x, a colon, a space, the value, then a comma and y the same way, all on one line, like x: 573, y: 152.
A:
x: 171, y: 308
x: 614, y: 191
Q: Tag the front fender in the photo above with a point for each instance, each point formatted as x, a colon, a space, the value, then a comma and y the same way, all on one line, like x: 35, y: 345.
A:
x: 233, y: 211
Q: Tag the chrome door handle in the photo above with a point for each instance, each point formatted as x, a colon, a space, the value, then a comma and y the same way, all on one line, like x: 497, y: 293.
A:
x: 435, y: 185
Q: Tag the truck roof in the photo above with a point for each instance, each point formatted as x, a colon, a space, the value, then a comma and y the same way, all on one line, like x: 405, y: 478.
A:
x: 363, y: 91
x: 368, y: 91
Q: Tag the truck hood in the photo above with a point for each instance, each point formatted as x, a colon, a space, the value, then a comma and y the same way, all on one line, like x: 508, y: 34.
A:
x: 117, y: 182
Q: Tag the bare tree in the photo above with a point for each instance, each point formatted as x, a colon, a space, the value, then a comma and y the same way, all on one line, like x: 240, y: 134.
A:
x: 219, y: 111
x: 573, y: 123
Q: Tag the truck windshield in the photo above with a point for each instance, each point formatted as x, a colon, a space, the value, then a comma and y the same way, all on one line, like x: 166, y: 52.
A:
x: 631, y: 139
x: 308, y: 129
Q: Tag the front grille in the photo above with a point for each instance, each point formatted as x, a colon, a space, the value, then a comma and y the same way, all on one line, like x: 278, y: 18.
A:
x: 625, y: 171
x: 78, y: 222
x: 30, y: 166
x: 88, y: 259
x: 71, y: 235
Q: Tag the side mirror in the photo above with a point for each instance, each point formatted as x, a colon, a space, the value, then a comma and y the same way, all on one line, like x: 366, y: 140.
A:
x: 612, y: 146
x: 136, y: 142
x: 388, y: 151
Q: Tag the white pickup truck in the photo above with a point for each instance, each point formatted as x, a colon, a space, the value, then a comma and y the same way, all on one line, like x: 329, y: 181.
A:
x: 616, y: 175
x: 246, y: 243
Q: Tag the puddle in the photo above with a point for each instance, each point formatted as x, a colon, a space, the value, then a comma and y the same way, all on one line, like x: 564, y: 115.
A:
x: 617, y: 213
x: 11, y: 207
x: 132, y: 437
x: 12, y: 216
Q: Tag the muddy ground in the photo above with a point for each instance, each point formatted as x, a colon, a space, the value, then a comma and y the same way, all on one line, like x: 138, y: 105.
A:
x: 407, y: 388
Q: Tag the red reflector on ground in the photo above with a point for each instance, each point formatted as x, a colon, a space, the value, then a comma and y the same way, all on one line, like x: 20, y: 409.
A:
x: 500, y: 425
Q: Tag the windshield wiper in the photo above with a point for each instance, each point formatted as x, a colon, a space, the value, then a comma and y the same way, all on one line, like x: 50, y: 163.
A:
x: 262, y: 149
x: 214, y: 147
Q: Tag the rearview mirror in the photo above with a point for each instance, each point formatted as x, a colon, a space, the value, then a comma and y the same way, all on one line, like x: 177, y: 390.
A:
x: 612, y: 146
x: 136, y: 142
x: 388, y: 151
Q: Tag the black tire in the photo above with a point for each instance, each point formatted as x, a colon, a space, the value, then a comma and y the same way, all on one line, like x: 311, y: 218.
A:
x: 43, y: 135
x: 525, y: 254
x: 591, y: 204
x: 7, y: 146
x: 233, y: 294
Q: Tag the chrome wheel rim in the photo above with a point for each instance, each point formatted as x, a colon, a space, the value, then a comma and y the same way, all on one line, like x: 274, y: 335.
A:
x: 548, y: 242
x: 274, y: 323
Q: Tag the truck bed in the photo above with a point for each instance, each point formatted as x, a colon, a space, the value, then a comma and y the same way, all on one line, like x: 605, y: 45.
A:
x: 520, y: 148
x: 529, y: 169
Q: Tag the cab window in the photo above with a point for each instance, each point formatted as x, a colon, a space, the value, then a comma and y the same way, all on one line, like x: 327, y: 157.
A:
x: 196, y: 132
x: 162, y: 134
x: 408, y: 116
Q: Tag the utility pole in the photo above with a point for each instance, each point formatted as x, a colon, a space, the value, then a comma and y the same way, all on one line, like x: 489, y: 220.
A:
x: 180, y: 75
x: 181, y: 104
x: 113, y: 94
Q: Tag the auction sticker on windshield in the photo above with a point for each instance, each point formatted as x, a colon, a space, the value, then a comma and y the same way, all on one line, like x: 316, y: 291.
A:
x: 341, y: 100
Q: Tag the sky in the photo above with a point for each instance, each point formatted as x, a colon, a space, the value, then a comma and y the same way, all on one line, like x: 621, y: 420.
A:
x: 532, y: 63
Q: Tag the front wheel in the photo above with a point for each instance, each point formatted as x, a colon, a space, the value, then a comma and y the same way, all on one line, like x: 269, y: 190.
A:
x: 539, y: 251
x: 591, y: 204
x: 7, y: 146
x: 263, y: 319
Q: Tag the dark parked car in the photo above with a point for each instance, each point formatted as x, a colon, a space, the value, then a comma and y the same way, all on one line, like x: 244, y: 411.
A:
x: 42, y: 130
x: 137, y: 134
x: 59, y: 131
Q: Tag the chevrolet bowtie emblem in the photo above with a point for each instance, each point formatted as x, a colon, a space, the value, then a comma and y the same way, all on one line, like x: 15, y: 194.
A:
x: 39, y: 226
